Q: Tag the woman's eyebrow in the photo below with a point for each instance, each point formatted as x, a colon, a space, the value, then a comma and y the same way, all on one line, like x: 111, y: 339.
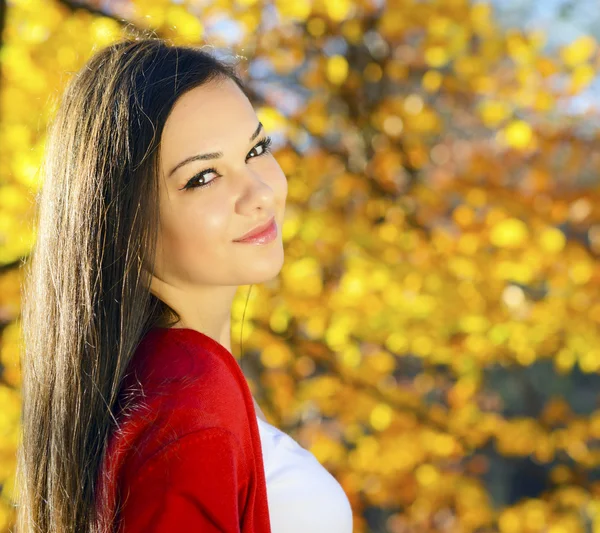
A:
x: 212, y: 155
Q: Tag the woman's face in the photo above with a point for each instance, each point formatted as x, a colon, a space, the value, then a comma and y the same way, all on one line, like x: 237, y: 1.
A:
x: 247, y: 187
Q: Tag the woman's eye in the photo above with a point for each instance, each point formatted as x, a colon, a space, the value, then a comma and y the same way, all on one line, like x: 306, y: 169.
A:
x: 193, y: 183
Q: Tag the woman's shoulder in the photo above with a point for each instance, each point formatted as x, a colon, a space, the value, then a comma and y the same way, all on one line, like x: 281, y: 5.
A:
x: 180, y: 451
x: 175, y: 388
x: 179, y: 355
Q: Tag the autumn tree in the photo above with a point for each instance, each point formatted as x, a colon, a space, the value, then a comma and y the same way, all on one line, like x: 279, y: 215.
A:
x: 433, y: 335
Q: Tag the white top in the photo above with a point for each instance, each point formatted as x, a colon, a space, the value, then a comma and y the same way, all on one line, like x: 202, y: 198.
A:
x: 302, y: 495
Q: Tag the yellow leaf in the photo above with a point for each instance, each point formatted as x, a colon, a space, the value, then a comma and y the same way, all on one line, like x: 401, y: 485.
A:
x: 337, y: 69
x: 579, y: 51
x: 519, y: 49
x: 432, y: 80
x: 349, y: 356
x: 589, y: 361
x: 338, y: 10
x: 187, y: 25
x: 303, y: 276
x: 518, y: 134
x: 250, y: 19
x: 316, y: 26
x: 552, y: 240
x: 382, y: 361
x: 351, y: 30
x: 582, y: 76
x: 270, y: 118
x: 381, y: 416
x: 155, y: 15
x: 468, y: 66
x: 104, y: 31
x: 427, y: 475
x: 481, y: 18
x: 494, y: 111
x: 474, y: 323
x: 581, y: 272
x: 544, y: 101
x: 564, y: 360
x: 463, y: 215
x: 509, y: 233
x: 509, y: 521
x: 275, y: 356
x: 436, y: 56
x: 294, y: 9
x: 439, y: 26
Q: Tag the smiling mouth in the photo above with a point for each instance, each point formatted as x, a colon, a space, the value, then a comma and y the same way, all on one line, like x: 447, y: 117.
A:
x: 258, y: 230
x: 262, y: 237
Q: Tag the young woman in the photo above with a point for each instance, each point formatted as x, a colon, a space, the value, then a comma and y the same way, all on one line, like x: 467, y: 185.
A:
x: 136, y: 416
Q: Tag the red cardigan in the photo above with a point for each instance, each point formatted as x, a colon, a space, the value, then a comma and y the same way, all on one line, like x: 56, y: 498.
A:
x: 187, y: 454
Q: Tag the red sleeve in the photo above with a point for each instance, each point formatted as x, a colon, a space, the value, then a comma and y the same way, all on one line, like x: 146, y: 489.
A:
x: 193, y: 484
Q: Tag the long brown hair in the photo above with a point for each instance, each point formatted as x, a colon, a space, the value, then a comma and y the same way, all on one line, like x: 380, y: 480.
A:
x: 86, y: 300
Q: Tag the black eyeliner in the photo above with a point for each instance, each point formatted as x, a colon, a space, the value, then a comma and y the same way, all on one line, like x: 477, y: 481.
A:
x: 266, y: 145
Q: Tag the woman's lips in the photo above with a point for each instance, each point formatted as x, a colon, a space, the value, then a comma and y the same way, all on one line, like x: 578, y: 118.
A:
x: 263, y: 236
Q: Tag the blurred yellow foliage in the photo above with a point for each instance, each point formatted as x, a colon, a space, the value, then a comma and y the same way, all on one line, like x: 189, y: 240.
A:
x: 518, y: 134
x: 441, y: 233
x: 579, y: 51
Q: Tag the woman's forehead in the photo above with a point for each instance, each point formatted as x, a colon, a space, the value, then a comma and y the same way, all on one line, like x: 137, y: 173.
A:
x: 213, y: 118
